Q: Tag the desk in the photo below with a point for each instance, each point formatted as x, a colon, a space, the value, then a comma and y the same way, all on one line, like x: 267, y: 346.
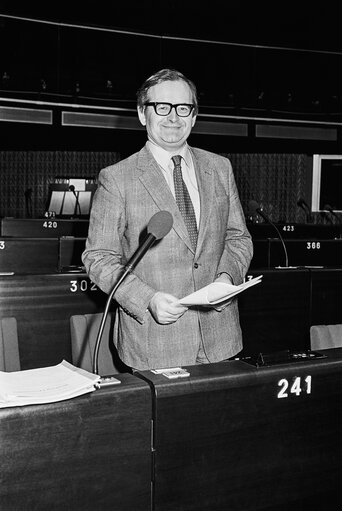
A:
x: 234, y: 437
x: 43, y: 227
x: 275, y: 314
x: 326, y: 292
x: 92, y: 452
x: 231, y: 436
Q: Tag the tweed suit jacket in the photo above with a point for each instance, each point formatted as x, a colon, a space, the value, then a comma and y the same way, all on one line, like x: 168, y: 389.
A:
x: 129, y: 193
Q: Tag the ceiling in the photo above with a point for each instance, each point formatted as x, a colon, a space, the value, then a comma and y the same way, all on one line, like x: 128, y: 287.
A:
x: 287, y: 24
x: 276, y: 59
x: 281, y: 60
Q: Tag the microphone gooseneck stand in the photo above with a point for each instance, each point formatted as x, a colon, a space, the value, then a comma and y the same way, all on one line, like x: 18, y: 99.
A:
x: 28, y: 202
x: 284, y: 246
x: 305, y: 207
x: 103, y: 321
x: 159, y: 225
x: 327, y: 207
x: 256, y: 209
x: 77, y: 203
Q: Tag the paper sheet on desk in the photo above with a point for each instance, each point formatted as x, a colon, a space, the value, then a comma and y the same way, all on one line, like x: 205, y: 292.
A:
x: 45, y: 385
x: 217, y: 292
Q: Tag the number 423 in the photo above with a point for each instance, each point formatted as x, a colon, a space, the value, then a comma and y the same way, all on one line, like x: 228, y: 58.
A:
x: 296, y: 387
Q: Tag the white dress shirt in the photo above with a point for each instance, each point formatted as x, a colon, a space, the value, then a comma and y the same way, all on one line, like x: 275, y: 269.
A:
x: 163, y: 158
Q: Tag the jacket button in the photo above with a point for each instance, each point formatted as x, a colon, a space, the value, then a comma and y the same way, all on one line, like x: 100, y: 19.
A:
x: 195, y: 265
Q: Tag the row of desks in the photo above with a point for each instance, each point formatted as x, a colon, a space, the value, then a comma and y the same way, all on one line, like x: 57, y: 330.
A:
x: 52, y: 244
x: 230, y: 436
x: 47, y: 255
x: 275, y: 315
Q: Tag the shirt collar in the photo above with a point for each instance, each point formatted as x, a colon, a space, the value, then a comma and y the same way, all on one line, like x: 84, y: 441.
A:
x: 163, y: 157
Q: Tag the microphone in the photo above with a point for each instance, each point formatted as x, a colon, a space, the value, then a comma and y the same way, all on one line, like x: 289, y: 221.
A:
x: 304, y: 205
x: 327, y: 207
x: 159, y: 226
x: 28, y: 202
x: 254, y: 208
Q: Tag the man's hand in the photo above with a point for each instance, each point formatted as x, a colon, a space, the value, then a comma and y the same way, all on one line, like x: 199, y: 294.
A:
x: 223, y: 277
x: 165, y: 308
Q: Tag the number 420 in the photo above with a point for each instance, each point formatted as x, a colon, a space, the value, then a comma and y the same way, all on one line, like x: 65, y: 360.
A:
x: 298, y: 385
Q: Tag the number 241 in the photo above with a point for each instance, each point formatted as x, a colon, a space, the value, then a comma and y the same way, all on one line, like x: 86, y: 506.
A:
x: 296, y: 388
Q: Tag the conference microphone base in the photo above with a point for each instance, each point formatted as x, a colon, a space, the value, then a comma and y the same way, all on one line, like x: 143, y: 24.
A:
x: 282, y: 357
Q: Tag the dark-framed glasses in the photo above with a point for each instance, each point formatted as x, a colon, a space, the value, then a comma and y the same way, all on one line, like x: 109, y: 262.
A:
x: 182, y: 109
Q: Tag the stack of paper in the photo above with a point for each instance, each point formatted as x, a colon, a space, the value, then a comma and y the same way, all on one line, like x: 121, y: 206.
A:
x: 217, y: 293
x: 45, y: 385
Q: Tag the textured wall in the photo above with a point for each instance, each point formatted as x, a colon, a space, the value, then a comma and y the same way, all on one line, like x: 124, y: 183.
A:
x: 22, y: 170
x: 275, y: 181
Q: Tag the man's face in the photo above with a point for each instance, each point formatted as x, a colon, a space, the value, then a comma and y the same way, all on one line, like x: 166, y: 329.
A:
x: 169, y: 132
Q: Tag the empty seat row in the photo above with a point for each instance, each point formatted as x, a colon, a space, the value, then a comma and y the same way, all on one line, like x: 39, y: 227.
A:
x: 84, y: 332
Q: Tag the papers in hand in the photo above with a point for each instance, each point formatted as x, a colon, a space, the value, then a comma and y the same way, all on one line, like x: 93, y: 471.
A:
x: 45, y: 385
x: 217, y: 293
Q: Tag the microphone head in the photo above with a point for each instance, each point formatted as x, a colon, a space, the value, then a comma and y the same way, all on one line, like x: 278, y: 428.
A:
x: 160, y: 224
x: 301, y: 203
x: 72, y: 188
x: 253, y: 206
x: 327, y: 207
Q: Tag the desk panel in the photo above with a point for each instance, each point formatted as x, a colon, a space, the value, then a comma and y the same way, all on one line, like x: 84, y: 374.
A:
x: 263, y: 231
x: 29, y: 255
x: 326, y: 296
x: 235, y: 437
x: 43, y: 227
x: 88, y: 453
x: 307, y: 252
x: 275, y: 314
x: 43, y: 305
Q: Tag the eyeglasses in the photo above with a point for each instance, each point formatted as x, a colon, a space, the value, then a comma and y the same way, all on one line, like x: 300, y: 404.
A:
x: 182, y: 109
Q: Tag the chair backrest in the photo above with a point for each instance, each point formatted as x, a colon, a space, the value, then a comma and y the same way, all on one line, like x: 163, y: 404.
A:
x: 9, y: 348
x: 84, y: 330
x: 325, y: 336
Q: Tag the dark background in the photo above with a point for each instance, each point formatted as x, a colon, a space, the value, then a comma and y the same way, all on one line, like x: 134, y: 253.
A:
x: 293, y: 24
x: 260, y: 59
x: 271, y: 68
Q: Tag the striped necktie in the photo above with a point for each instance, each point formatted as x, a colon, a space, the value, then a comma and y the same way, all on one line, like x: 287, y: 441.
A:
x: 183, y: 201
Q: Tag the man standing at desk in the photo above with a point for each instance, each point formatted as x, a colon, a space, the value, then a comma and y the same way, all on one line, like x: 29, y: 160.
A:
x: 208, y: 241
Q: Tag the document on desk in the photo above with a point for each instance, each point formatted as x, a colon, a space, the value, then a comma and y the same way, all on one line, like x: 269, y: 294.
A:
x: 217, y: 293
x: 45, y: 385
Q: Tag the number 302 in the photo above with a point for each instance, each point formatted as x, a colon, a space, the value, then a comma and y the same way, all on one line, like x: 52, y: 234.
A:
x: 295, y: 388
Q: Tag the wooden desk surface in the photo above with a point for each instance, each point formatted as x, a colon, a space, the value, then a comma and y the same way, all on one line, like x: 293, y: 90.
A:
x: 232, y: 436
x: 88, y: 453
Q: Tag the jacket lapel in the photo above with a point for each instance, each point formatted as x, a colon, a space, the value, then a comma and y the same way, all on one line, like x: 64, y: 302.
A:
x: 153, y: 180
x: 204, y: 175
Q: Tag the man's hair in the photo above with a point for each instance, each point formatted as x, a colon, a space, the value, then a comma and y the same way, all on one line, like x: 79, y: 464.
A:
x: 165, y: 75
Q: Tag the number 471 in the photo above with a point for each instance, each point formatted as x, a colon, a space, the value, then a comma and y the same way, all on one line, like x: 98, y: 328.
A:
x: 295, y: 388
